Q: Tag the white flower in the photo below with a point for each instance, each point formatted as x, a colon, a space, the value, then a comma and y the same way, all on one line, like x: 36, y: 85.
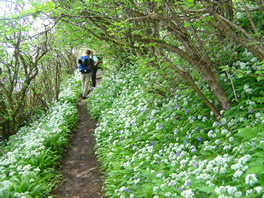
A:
x: 238, y: 194
x: 205, y: 119
x: 216, y: 169
x: 210, y: 133
x: 224, y: 131
x: 254, y: 59
x: 227, y: 147
x: 258, y: 115
x: 123, y: 188
x: 247, y: 89
x: 162, y: 186
x: 37, y: 170
x: 237, y: 174
x: 6, y: 183
x: 231, y: 190
x: 239, y: 15
x: 222, y: 112
x: 136, y: 181
x: 209, y: 183
x: 251, y: 179
x: 215, y: 124
x: 217, y: 141
x: 222, y: 170
x: 204, y: 176
x: 249, y: 192
x: 187, y: 193
x: 159, y: 175
x: 155, y: 188
x: 220, y: 190
x: 236, y: 166
x: 258, y: 189
x: 250, y: 102
x: 231, y: 123
x: 156, y: 156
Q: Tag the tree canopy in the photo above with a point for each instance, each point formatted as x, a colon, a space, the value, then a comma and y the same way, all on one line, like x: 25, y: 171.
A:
x: 190, y: 42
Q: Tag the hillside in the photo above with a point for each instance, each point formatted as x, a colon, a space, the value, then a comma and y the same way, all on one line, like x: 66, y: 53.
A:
x: 155, y: 146
x: 179, y: 111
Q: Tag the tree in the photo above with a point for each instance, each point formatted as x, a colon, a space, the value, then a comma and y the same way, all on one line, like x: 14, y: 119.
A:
x: 19, y: 69
x: 139, y: 25
x: 32, y: 67
x: 229, y: 29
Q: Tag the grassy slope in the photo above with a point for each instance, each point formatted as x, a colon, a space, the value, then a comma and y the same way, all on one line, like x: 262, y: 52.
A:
x: 152, y: 146
x: 31, y: 156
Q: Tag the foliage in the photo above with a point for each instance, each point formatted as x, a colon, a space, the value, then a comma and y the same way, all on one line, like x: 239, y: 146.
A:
x: 27, y: 168
x: 166, y: 124
x: 155, y: 146
x: 31, y: 67
x: 119, y: 29
x: 195, y: 31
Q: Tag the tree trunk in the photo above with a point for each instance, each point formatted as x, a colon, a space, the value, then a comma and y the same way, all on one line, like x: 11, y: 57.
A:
x: 188, y: 77
x: 205, y: 70
x: 57, y: 79
x: 210, y: 77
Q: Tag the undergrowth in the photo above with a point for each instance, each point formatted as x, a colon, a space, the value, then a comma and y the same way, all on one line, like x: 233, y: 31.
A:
x: 155, y: 146
x: 30, y: 158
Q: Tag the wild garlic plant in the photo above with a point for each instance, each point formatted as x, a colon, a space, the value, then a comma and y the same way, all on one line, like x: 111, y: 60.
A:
x: 155, y: 146
x: 28, y: 167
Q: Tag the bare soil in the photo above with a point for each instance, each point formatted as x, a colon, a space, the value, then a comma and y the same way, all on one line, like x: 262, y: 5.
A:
x: 82, y: 176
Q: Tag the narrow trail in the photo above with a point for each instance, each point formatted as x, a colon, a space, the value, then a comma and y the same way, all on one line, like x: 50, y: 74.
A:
x: 80, y: 169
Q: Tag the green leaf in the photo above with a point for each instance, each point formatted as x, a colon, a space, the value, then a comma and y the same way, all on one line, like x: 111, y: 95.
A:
x: 50, y: 4
x: 207, y: 189
x: 240, y: 75
x: 248, y: 133
x: 224, y: 68
x: 256, y: 169
x: 186, y: 24
x: 116, y: 165
x: 252, y: 43
x: 260, y: 78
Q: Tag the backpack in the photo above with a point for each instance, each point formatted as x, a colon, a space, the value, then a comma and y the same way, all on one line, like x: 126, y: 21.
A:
x: 86, y: 64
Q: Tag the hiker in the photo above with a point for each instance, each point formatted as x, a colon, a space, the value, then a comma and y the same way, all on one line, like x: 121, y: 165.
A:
x: 94, y: 70
x: 87, y: 65
x: 100, y: 61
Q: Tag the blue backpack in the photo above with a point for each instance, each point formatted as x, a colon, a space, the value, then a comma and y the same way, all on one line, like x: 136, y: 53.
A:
x: 86, y: 64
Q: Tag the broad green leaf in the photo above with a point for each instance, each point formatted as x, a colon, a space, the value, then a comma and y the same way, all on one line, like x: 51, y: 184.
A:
x: 187, y: 24
x: 252, y: 43
x: 256, y: 170
x: 240, y: 75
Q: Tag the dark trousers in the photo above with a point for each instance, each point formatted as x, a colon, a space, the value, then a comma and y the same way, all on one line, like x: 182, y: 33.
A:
x: 94, y: 70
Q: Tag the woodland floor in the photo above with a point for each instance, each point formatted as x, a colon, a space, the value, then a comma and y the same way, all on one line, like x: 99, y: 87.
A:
x: 82, y: 176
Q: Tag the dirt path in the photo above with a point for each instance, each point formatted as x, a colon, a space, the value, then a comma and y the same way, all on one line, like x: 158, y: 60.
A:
x: 80, y: 169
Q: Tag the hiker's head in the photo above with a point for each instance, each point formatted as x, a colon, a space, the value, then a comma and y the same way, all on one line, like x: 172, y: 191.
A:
x: 89, y: 52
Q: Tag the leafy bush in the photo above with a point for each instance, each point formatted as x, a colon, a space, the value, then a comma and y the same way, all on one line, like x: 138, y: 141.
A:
x: 154, y: 146
x: 28, y: 167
